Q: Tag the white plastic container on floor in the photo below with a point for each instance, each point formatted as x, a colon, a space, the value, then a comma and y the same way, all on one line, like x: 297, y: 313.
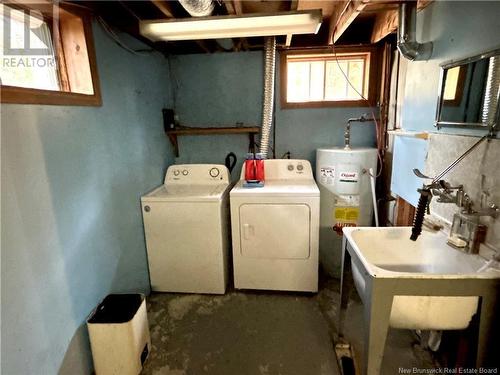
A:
x: 119, y: 335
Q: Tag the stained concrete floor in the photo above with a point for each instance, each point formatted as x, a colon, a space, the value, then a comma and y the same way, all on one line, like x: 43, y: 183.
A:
x: 262, y: 333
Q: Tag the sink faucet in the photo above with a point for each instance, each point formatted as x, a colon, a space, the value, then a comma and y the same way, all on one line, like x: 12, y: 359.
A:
x: 444, y: 193
x: 443, y: 190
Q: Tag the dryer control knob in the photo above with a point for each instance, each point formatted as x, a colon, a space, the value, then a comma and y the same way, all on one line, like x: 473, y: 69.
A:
x: 185, y: 172
x: 300, y: 167
x: 214, y: 172
x: 290, y: 167
x: 176, y: 172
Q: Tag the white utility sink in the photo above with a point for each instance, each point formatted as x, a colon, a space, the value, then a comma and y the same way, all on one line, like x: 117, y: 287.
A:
x: 423, y: 284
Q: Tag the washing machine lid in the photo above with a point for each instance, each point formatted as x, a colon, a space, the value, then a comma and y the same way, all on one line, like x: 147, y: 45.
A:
x: 187, y: 193
x: 278, y: 188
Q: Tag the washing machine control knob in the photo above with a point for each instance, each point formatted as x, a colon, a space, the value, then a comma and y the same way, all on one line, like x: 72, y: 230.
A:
x: 185, y: 172
x: 290, y: 167
x: 300, y: 167
x: 214, y: 172
x: 176, y: 172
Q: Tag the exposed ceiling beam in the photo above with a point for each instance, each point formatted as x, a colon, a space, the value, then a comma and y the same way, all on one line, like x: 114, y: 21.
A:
x: 229, y: 6
x: 164, y: 7
x: 294, y: 4
x: 238, y: 9
x: 233, y: 7
x: 387, y: 22
x: 344, y: 13
x: 116, y: 16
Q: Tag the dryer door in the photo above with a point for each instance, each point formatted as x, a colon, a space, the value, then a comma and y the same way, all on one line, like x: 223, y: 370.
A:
x: 280, y: 231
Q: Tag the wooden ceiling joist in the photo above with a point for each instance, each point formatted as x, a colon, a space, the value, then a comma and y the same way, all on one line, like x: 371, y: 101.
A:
x: 344, y: 13
x: 387, y: 22
x: 238, y: 9
x: 164, y: 7
x: 229, y: 6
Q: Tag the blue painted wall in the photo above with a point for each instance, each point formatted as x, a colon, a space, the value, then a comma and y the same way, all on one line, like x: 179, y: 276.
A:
x: 226, y: 88
x: 72, y: 232
x: 458, y: 29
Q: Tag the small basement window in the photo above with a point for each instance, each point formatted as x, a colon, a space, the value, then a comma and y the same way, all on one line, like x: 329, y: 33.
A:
x: 47, y: 55
x: 321, y: 78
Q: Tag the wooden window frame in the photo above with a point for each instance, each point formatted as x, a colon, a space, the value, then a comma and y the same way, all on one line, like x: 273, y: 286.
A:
x: 23, y: 95
x: 373, y: 82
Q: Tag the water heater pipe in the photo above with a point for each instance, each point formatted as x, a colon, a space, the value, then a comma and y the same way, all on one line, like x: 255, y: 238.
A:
x: 347, y: 131
x: 407, y: 34
x: 267, y: 110
x: 374, y: 196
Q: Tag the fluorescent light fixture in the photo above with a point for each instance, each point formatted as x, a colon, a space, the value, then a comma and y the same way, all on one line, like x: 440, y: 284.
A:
x: 248, y: 25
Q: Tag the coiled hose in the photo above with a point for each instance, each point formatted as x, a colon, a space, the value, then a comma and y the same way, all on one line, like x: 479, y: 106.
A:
x: 267, y: 111
x: 418, y: 220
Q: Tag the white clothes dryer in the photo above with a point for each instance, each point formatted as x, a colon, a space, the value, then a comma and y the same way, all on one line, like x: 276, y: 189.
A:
x: 275, y: 229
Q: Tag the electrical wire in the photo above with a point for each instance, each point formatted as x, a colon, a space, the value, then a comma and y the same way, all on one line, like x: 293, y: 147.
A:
x: 132, y: 13
x: 113, y: 35
x: 377, y: 130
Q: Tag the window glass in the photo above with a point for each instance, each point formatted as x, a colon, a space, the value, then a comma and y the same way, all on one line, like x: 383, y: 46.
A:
x: 298, y: 82
x: 27, y: 54
x: 318, y: 78
x: 47, y: 54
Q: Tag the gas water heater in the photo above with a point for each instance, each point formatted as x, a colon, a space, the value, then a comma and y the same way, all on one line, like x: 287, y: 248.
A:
x: 343, y: 178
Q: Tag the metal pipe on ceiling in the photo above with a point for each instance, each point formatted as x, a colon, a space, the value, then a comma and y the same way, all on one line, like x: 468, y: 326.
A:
x: 407, y: 34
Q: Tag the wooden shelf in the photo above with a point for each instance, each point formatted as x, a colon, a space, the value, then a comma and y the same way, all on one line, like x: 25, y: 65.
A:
x: 250, y: 130
x: 411, y: 134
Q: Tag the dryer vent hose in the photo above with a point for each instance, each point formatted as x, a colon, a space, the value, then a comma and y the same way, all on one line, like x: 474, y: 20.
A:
x: 267, y: 110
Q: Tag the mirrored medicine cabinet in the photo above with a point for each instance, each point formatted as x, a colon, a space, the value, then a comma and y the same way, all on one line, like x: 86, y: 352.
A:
x: 469, y: 92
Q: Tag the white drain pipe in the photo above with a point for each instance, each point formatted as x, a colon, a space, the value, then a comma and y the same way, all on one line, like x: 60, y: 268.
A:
x: 374, y: 196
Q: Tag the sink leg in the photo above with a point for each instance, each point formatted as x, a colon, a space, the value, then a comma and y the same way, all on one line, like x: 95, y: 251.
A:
x: 486, y: 320
x: 377, y: 314
x: 346, y: 286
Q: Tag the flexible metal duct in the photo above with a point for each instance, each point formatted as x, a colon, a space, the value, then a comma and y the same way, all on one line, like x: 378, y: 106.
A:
x: 267, y: 110
x: 198, y: 8
x: 407, y: 35
x: 492, y: 92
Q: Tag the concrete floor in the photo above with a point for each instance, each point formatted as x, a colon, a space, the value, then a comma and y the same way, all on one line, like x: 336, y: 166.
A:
x: 262, y: 333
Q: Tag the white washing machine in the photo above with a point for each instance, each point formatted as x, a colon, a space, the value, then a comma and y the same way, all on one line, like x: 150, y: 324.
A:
x: 275, y: 229
x: 186, y: 223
